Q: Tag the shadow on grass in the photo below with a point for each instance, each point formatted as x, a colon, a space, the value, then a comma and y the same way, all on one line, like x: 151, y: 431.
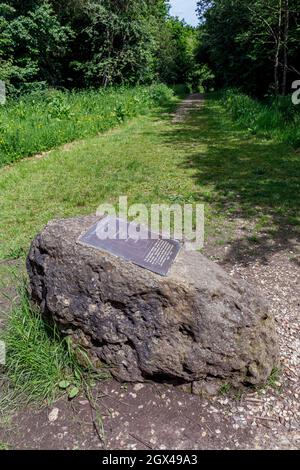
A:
x: 254, y: 182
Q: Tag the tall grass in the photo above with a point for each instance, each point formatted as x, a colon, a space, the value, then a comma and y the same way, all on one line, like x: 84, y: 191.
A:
x: 41, y: 121
x: 40, y: 364
x: 276, y: 118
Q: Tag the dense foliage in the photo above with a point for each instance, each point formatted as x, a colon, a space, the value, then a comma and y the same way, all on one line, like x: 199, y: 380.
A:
x: 275, y: 118
x: 48, y: 45
x: 40, y: 121
x: 92, y: 43
x: 251, y: 45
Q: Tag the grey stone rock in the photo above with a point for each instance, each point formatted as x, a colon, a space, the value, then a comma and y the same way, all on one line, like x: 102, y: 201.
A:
x: 207, y: 388
x: 196, y: 324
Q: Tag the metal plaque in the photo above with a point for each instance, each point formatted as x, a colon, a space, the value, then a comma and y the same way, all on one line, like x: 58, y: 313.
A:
x: 133, y: 243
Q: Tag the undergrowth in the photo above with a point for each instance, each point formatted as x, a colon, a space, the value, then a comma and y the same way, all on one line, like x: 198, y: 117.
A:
x: 276, y: 118
x: 44, y: 120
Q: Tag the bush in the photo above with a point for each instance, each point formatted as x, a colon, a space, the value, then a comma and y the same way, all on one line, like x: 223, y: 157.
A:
x: 43, y: 120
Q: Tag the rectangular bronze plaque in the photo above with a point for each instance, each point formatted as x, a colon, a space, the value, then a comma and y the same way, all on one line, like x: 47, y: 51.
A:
x: 133, y: 243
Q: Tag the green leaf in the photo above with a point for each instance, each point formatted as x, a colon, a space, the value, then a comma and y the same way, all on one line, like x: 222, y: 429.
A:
x: 73, y: 392
x: 77, y: 375
x: 64, y: 384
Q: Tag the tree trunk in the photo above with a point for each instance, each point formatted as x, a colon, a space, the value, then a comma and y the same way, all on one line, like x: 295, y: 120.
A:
x: 285, y: 50
x: 278, y: 48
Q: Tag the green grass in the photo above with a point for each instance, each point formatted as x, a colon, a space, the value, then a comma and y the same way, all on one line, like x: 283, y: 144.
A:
x: 225, y: 389
x: 41, y: 365
x: 3, y: 446
x: 207, y: 159
x: 42, y: 121
x: 277, y: 118
x: 274, y: 379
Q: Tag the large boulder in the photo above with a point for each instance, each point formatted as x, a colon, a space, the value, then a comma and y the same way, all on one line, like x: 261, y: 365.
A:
x: 195, y: 326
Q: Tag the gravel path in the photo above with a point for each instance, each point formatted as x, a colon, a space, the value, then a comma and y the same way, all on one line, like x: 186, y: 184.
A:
x: 278, y: 408
x: 193, y: 102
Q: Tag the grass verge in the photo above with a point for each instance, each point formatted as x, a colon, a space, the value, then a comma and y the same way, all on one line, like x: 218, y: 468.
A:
x: 276, y: 118
x: 41, y: 121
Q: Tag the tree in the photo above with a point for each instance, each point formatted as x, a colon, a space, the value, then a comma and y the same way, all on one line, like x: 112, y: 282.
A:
x: 252, y: 45
x: 84, y: 43
x: 175, y: 55
x: 117, y: 43
x: 31, y: 46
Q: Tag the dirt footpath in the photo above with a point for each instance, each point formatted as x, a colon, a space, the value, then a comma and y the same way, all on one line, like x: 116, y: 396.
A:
x: 191, y: 103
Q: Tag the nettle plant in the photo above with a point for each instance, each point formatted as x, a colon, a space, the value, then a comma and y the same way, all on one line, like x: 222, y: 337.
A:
x: 58, y: 106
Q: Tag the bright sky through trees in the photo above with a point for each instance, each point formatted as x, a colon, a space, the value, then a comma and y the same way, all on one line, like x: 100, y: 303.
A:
x: 185, y: 9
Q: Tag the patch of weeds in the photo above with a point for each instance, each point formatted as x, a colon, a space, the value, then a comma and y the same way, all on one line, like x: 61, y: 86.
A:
x: 182, y: 199
x: 238, y: 395
x: 3, y: 446
x: 264, y: 221
x: 41, y: 365
x: 253, y: 239
x: 274, y: 379
x: 275, y: 118
x: 272, y: 382
x: 16, y: 253
x: 42, y: 121
x: 225, y: 388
